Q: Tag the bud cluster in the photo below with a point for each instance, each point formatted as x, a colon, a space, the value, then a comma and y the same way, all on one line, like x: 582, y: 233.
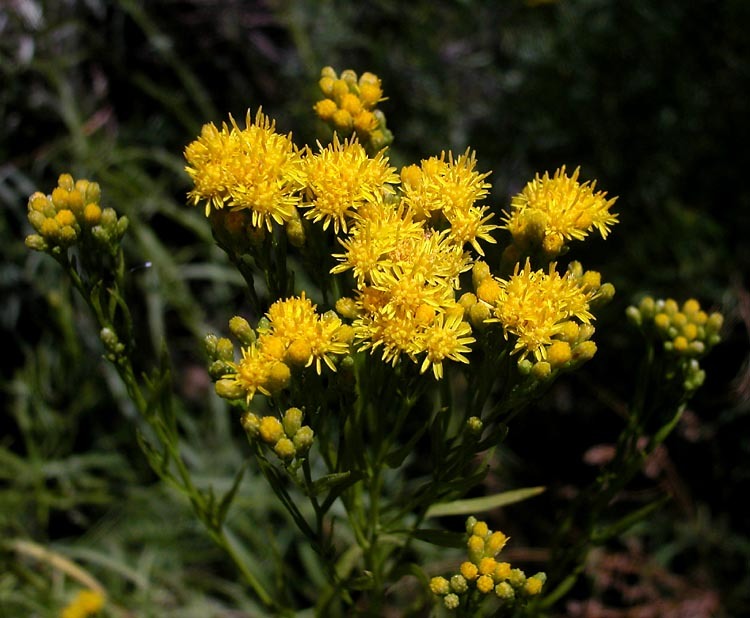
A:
x: 288, y: 437
x: 70, y: 215
x: 483, y: 573
x: 349, y: 107
x: 686, y: 332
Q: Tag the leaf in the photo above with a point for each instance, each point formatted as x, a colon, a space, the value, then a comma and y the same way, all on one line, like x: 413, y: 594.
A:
x: 337, y: 485
x: 486, y: 503
x: 601, y: 535
x: 228, y: 498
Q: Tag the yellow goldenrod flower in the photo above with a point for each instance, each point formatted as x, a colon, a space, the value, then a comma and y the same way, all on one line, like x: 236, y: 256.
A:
x: 553, y: 211
x: 253, y: 169
x: 447, y: 338
x: 375, y: 235
x: 86, y: 603
x: 340, y: 179
x: 450, y: 189
x: 534, y: 305
x: 306, y: 336
x: 251, y: 373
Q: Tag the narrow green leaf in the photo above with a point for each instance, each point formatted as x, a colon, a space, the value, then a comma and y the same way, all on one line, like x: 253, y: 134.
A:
x: 228, y: 498
x: 601, y: 535
x: 486, y: 503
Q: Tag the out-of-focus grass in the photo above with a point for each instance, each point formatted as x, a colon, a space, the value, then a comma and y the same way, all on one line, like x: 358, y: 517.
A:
x: 648, y: 98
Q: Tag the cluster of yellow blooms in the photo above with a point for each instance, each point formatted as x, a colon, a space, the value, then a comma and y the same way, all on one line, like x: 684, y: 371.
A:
x: 548, y: 313
x: 549, y: 212
x: 292, y: 334
x: 406, y: 239
x: 85, y: 604
x: 288, y: 437
x: 72, y: 214
x: 483, y: 573
x: 349, y: 106
x: 687, y: 332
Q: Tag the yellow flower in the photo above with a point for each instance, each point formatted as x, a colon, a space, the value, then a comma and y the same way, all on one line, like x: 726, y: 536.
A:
x: 534, y: 306
x: 253, y: 169
x: 307, y: 336
x: 252, y: 372
x: 377, y: 232
x: 341, y: 178
x: 396, y: 334
x: 447, y: 338
x: 554, y: 210
x: 86, y: 603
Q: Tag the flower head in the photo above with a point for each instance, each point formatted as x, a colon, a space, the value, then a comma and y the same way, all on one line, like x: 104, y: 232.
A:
x: 448, y: 190
x: 553, y: 211
x: 341, y: 178
x: 534, y: 307
x: 253, y: 169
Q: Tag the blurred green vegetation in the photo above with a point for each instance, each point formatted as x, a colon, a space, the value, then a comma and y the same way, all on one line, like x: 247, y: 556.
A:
x: 649, y: 98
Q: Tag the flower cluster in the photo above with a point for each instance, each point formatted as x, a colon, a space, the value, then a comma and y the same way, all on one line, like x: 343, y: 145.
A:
x: 72, y: 215
x: 288, y: 437
x: 547, y: 314
x: 349, y: 106
x: 550, y: 212
x: 686, y: 332
x: 86, y: 603
x: 341, y: 178
x: 482, y: 573
x: 254, y: 169
x: 406, y: 240
x: 292, y: 334
x: 446, y: 193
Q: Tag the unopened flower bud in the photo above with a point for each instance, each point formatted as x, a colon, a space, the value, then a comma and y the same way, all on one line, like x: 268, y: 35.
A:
x: 224, y: 350
x: 240, y: 328
x: 292, y: 421
x: 229, y: 389
x: 251, y: 424
x: 284, y: 448
x: 303, y: 439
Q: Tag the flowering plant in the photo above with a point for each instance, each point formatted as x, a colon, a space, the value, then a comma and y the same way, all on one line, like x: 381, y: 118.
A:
x: 382, y: 354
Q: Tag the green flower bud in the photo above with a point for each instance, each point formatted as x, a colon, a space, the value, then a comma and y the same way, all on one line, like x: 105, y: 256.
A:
x: 474, y: 425
x: 224, y: 350
x: 240, y: 328
x: 36, y: 242
x: 459, y: 584
x: 292, y: 421
x: 284, y: 448
x: 209, y: 345
x: 226, y: 388
x: 109, y: 339
x: 303, y: 439
x: 109, y: 218
x: 251, y: 424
